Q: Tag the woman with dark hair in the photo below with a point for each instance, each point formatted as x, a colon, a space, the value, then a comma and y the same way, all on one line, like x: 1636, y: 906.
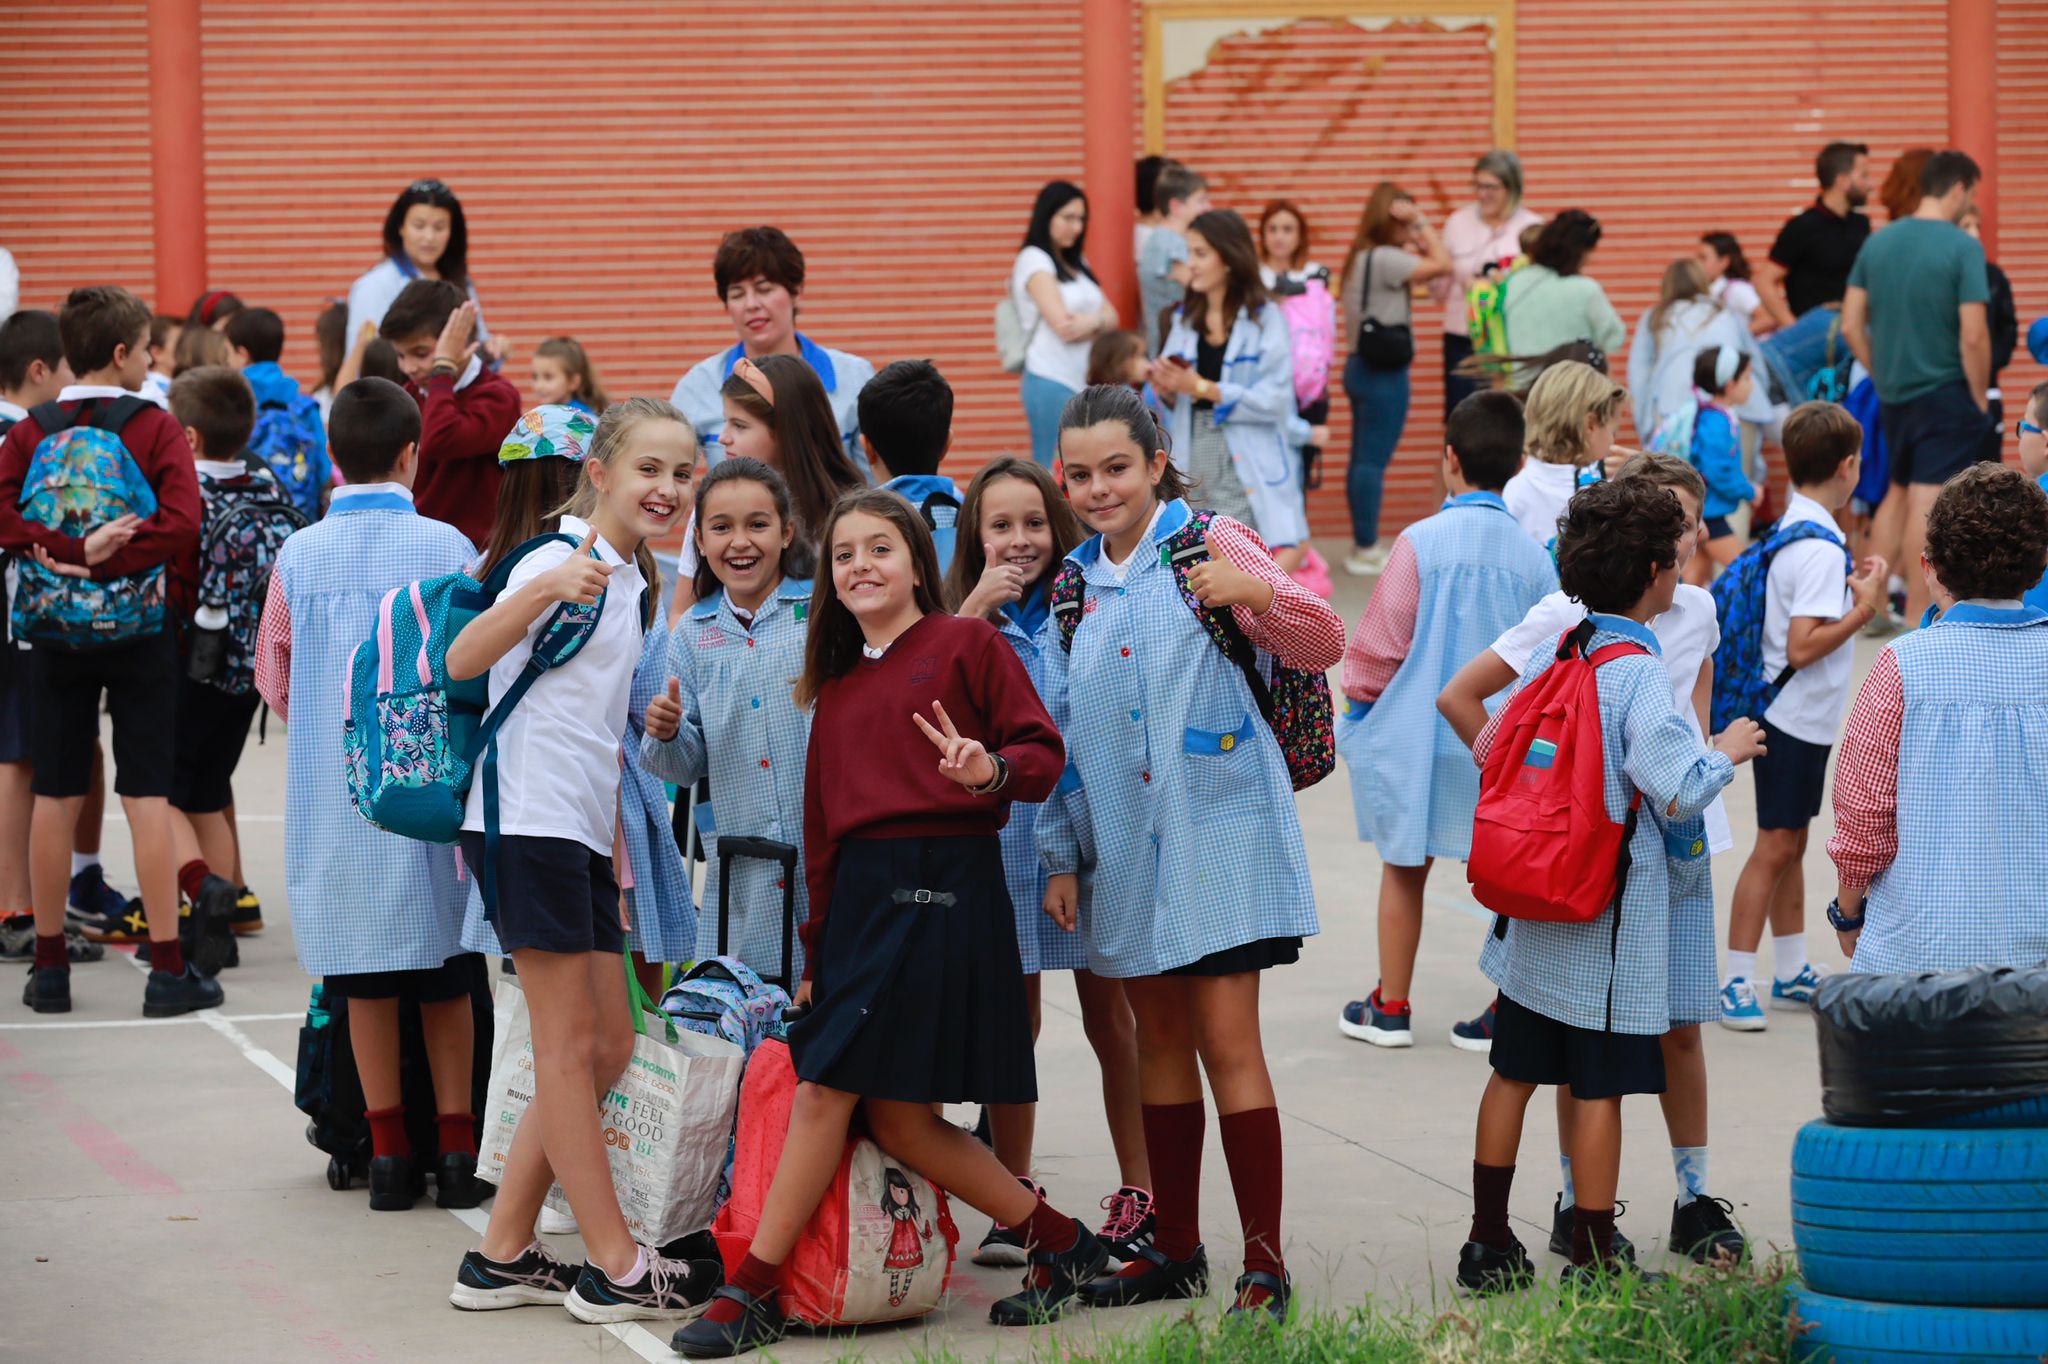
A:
x: 1728, y: 280
x: 1482, y: 237
x: 1226, y: 377
x: 425, y: 237
x: 1060, y: 307
x: 1549, y: 302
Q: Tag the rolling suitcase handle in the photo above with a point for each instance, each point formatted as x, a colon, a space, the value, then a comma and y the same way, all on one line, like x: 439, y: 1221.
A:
x: 765, y: 850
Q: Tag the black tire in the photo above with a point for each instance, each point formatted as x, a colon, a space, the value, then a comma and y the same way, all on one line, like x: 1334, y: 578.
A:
x: 337, y: 1173
x: 1849, y: 1332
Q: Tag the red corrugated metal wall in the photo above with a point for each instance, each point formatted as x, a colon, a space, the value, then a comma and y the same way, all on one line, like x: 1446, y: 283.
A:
x: 2023, y: 179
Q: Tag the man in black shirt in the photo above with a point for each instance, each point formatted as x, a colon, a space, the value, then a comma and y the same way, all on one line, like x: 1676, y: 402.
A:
x: 1816, y: 247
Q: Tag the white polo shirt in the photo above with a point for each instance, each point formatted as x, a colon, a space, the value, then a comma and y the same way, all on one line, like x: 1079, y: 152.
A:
x: 1538, y: 495
x: 558, y: 752
x: 1808, y: 579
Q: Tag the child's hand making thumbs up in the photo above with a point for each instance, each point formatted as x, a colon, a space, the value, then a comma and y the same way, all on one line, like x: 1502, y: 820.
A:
x: 1217, y: 582
x: 665, y: 713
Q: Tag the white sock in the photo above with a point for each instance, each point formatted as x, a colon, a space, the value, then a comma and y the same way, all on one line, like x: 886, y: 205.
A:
x: 1894, y: 584
x: 80, y: 861
x: 1689, y: 1163
x: 1741, y: 966
x: 1788, y: 955
x: 639, y: 1269
x: 1565, y: 1163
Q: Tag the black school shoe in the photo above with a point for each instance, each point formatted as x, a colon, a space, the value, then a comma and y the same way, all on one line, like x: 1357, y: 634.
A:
x: 1604, y: 1275
x: 1701, y: 1229
x: 167, y: 996
x: 1052, y: 1281
x: 1160, y: 1280
x: 48, y: 990
x: 760, y: 1323
x: 1561, y: 1232
x: 395, y: 1182
x: 1484, y: 1269
x: 206, y: 933
x: 1273, y: 1307
x: 456, y: 1184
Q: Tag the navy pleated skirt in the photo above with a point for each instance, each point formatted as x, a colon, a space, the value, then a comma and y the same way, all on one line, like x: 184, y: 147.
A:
x: 916, y: 999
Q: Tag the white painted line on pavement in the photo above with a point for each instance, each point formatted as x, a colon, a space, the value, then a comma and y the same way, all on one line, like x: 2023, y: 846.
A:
x: 145, y: 1022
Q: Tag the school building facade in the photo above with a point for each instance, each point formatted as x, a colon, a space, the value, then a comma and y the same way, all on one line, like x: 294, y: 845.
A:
x: 601, y: 149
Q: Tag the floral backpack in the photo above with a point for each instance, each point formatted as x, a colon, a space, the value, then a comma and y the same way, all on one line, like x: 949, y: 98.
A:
x: 245, y: 523
x: 1296, y: 704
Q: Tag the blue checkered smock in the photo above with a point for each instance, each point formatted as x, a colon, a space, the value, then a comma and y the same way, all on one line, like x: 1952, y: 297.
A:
x: 742, y: 726
x: 1584, y: 975
x: 1042, y: 944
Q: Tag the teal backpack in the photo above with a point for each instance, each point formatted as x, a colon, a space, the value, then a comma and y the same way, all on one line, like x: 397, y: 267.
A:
x: 414, y: 738
x: 1740, y: 687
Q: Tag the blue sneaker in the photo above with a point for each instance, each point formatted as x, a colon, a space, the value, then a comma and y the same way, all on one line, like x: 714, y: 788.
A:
x: 92, y: 902
x: 1475, y: 1034
x: 1364, y: 1020
x: 1740, y: 1011
x: 1796, y: 993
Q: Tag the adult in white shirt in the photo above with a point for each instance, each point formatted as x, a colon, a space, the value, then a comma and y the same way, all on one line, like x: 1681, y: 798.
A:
x: 1685, y: 320
x: 425, y: 237
x: 1061, y: 307
x: 10, y: 285
x: 1484, y: 234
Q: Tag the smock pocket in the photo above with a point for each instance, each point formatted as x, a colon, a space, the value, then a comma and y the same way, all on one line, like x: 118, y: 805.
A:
x: 1074, y: 798
x: 1222, y: 766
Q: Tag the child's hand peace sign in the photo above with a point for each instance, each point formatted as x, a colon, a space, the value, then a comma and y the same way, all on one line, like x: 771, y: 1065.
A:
x: 1219, y: 582
x: 665, y: 713
x: 961, y: 760
x: 578, y: 579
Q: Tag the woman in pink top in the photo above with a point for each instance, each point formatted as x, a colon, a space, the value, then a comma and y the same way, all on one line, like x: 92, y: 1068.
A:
x: 1486, y: 232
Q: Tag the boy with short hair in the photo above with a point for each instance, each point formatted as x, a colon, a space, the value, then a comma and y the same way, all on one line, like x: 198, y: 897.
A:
x: 906, y: 423
x: 124, y: 560
x: 1181, y: 196
x: 465, y: 409
x: 1583, y: 1005
x: 1452, y: 584
x: 1815, y: 602
x: 377, y: 915
x: 289, y: 435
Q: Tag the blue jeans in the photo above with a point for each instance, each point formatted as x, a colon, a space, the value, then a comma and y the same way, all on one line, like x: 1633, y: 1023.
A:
x: 1379, y: 411
x: 1044, y: 400
x: 1796, y: 353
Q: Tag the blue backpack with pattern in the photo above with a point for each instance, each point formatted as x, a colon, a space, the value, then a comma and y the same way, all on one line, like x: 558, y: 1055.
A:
x: 413, y: 737
x: 1740, y: 687
x: 289, y: 438
x: 80, y: 477
x: 243, y: 526
x: 725, y: 997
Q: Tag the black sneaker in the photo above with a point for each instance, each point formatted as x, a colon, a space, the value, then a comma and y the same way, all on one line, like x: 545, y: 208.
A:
x: 536, y: 1278
x: 1484, y: 1269
x: 760, y: 1323
x: 92, y: 900
x: 1158, y: 1281
x: 18, y: 941
x: 127, y: 924
x: 1052, y: 1281
x: 1604, y: 1275
x: 167, y: 995
x: 1475, y: 1034
x: 206, y: 932
x: 1003, y: 1247
x: 455, y: 1182
x: 394, y: 1183
x: 1130, y: 1224
x: 248, y: 915
x: 1279, y: 1292
x: 669, y: 1288
x: 48, y: 990
x: 1701, y: 1229
x: 1561, y: 1232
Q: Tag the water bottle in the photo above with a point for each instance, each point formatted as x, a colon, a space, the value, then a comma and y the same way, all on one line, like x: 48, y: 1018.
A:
x: 209, y: 643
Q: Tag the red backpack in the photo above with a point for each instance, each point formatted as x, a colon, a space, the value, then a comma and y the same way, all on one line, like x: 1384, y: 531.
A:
x: 1543, y: 847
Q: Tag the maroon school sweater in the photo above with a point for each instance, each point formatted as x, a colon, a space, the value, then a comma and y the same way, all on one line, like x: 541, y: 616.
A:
x: 870, y: 772
x: 460, y: 433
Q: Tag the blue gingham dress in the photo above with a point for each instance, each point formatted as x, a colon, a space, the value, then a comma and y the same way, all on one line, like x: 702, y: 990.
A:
x: 742, y: 726
x: 1413, y: 784
x: 1042, y: 944
x: 1965, y: 887
x: 1185, y: 848
x: 1582, y: 975
x: 664, y: 921
x: 361, y: 899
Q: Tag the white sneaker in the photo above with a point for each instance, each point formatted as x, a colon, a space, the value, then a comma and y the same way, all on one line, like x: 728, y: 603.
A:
x: 554, y: 1223
x: 1364, y: 563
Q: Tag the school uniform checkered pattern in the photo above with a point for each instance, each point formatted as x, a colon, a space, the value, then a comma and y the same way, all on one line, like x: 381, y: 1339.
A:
x: 742, y: 727
x: 1581, y: 974
x: 1967, y: 738
x: 361, y: 899
x: 1189, y: 845
x: 1041, y: 944
x: 1387, y: 628
x: 1695, y: 978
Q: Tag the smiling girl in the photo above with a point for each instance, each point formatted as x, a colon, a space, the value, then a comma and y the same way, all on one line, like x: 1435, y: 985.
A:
x: 924, y: 729
x: 557, y: 906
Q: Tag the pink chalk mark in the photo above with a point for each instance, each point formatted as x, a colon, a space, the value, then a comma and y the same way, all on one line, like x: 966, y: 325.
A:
x: 86, y: 1133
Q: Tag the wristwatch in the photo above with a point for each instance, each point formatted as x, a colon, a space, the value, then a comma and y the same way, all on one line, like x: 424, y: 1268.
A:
x: 1842, y: 922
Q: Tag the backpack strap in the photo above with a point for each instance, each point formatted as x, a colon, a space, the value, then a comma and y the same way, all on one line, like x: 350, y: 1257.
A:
x: 939, y: 497
x: 1065, y: 603
x: 1780, y: 539
x: 1184, y: 549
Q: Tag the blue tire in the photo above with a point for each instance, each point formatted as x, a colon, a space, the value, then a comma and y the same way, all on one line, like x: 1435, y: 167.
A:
x: 1849, y: 1332
x: 1899, y: 1215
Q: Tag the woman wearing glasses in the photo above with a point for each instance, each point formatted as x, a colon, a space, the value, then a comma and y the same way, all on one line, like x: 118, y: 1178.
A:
x: 1485, y: 233
x: 425, y: 237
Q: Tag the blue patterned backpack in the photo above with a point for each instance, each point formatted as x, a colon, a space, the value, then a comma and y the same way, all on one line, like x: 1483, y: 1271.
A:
x: 245, y: 523
x: 288, y: 438
x: 725, y: 997
x: 413, y: 737
x: 1740, y: 687
x: 80, y: 477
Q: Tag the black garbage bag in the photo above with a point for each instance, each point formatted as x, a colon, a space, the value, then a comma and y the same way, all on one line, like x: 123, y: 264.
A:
x: 1959, y: 1048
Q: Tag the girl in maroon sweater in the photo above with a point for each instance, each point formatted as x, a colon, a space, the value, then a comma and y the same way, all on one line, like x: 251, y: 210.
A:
x: 926, y: 727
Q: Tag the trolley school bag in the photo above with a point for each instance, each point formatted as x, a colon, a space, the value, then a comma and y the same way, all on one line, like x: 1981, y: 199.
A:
x: 289, y: 439
x: 722, y: 996
x: 1543, y: 847
x: 1296, y: 705
x: 1740, y: 687
x: 80, y: 477
x: 245, y: 524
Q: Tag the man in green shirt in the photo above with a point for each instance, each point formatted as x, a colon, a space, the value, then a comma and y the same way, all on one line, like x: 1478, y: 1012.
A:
x: 1914, y: 315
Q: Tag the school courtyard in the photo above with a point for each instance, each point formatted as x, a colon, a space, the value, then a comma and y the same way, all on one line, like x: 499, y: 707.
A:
x: 159, y: 1199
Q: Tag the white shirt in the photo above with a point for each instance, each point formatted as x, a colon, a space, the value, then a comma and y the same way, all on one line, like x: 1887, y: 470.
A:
x: 78, y: 393
x: 1738, y: 296
x: 12, y: 412
x: 220, y: 470
x: 1688, y: 634
x: 1063, y: 362
x: 558, y: 752
x: 1807, y: 579
x: 1538, y: 495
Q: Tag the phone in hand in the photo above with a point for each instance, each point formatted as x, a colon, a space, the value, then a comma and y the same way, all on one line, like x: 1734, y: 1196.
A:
x: 1180, y: 360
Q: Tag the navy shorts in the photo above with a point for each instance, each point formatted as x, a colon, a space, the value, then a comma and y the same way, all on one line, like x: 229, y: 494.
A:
x: 1790, y: 780
x: 140, y: 681
x: 1718, y: 528
x: 1535, y: 1050
x: 554, y: 894
x: 212, y: 727
x: 17, y: 704
x: 429, y: 985
x: 1935, y: 436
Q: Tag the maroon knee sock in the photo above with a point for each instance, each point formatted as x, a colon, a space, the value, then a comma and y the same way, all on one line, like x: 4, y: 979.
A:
x: 1173, y: 1142
x: 191, y: 877
x: 1048, y: 1229
x: 51, y: 954
x: 166, y: 956
x: 1592, y: 1234
x: 755, y: 1278
x: 1490, y: 1185
x: 388, y: 1136
x: 1251, y: 1147
x: 457, y: 1133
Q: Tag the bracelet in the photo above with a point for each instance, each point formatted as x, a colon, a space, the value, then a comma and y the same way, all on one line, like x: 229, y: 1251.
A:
x: 995, y: 783
x: 443, y: 365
